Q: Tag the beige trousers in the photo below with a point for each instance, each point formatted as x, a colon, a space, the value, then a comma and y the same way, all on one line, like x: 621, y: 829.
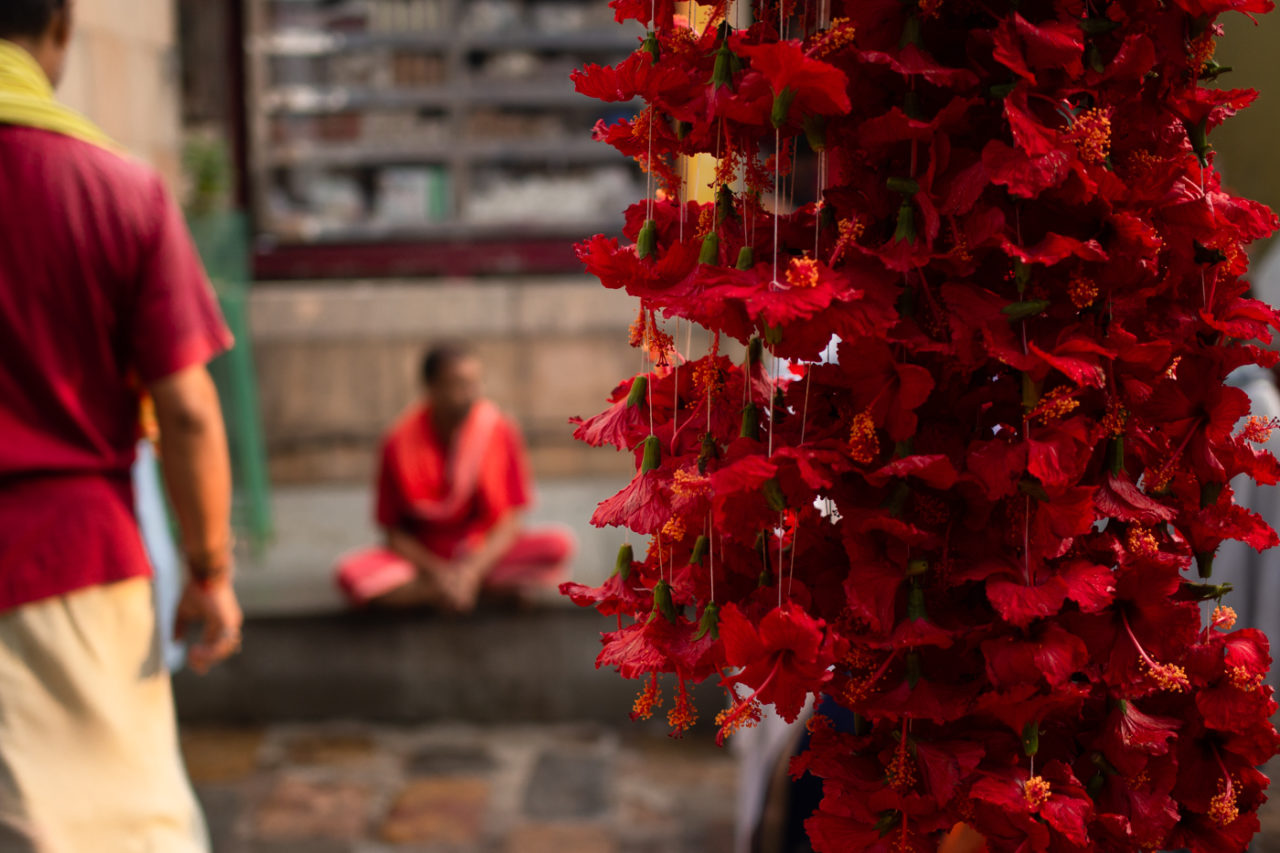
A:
x: 89, y: 759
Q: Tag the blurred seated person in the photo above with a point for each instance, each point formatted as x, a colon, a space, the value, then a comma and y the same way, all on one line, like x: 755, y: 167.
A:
x: 452, y: 489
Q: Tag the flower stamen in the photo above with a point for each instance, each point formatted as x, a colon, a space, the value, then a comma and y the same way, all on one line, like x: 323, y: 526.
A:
x: 649, y: 698
x: 1168, y: 676
x: 864, y: 445
x: 1036, y: 791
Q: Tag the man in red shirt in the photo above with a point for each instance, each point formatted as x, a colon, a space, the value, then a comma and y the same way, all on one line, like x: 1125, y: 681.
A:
x: 102, y: 299
x: 453, y: 486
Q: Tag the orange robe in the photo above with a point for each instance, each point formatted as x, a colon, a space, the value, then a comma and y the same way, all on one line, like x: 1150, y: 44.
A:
x: 449, y: 498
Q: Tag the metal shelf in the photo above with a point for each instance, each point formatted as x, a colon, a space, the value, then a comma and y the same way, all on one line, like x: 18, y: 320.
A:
x: 596, y: 41
x: 316, y: 44
x: 316, y: 100
x: 459, y: 96
x: 458, y: 230
x: 574, y: 150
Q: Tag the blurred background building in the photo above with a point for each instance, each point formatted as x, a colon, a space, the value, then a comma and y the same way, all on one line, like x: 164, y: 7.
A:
x: 408, y: 171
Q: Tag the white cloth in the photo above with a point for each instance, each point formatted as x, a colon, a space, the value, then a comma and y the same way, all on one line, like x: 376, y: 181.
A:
x: 89, y: 757
x: 153, y: 522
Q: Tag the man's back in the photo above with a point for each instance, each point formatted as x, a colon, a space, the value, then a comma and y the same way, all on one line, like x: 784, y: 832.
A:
x: 101, y: 297
x: 100, y: 293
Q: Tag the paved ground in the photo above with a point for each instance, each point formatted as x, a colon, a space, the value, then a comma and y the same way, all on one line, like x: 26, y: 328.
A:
x: 573, y: 788
x: 355, y: 788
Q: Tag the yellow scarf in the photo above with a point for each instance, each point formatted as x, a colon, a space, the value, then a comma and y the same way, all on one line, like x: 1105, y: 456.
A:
x: 26, y: 98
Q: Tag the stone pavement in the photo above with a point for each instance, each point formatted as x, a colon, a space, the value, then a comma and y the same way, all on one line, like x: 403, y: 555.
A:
x: 456, y: 788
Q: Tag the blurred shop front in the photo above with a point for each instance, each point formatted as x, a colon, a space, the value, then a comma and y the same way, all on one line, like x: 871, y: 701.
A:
x: 413, y: 170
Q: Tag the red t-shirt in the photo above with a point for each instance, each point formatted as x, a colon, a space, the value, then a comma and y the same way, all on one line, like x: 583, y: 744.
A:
x: 101, y: 292
x: 415, y: 467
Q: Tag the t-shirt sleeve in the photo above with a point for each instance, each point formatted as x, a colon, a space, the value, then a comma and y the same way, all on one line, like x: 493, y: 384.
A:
x: 176, y: 322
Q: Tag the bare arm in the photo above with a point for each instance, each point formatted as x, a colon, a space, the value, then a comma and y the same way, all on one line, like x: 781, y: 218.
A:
x: 459, y: 581
x: 498, y: 541
x: 197, y: 467
x: 412, y: 550
x: 474, y: 567
x: 197, y: 473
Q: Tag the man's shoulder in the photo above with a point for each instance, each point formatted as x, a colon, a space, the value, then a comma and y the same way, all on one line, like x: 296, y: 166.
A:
x: 79, y: 165
x: 408, y: 423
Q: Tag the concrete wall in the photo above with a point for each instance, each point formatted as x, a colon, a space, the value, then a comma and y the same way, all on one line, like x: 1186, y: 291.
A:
x: 338, y: 361
x: 122, y: 73
x: 1247, y: 142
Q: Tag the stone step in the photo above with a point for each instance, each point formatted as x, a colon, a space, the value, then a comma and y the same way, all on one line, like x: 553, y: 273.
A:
x: 493, y: 666
x: 308, y: 657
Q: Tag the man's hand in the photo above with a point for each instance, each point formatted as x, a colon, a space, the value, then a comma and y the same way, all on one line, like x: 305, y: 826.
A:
x: 215, y: 611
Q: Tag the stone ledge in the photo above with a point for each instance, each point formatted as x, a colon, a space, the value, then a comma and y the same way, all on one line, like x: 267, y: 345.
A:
x: 493, y: 666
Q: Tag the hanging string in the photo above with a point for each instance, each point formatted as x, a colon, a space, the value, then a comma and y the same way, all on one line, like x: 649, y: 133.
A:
x: 1026, y: 435
x: 675, y: 391
x: 1204, y: 298
x: 782, y: 534
x: 804, y: 422
x: 711, y: 557
x: 650, y: 185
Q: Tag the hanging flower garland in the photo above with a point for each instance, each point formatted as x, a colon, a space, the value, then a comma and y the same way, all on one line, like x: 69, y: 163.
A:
x: 984, y: 519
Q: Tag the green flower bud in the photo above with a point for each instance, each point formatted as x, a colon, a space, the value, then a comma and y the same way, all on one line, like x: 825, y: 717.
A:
x: 773, y: 494
x: 700, y: 547
x: 1031, y: 739
x: 650, y: 45
x: 622, y: 566
x: 710, y: 252
x: 1198, y: 134
x: 709, y: 450
x: 906, y: 227
x: 1023, y: 310
x: 639, y: 389
x: 910, y: 32
x: 662, y: 603
x: 1204, y: 564
x: 782, y: 102
x: 709, y: 623
x: 815, y: 132
x: 915, y: 604
x: 647, y: 240
x: 906, y: 186
x: 750, y: 421
x: 722, y: 72
x: 887, y: 821
x: 724, y: 204
x: 652, y: 454
x: 1117, y: 455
